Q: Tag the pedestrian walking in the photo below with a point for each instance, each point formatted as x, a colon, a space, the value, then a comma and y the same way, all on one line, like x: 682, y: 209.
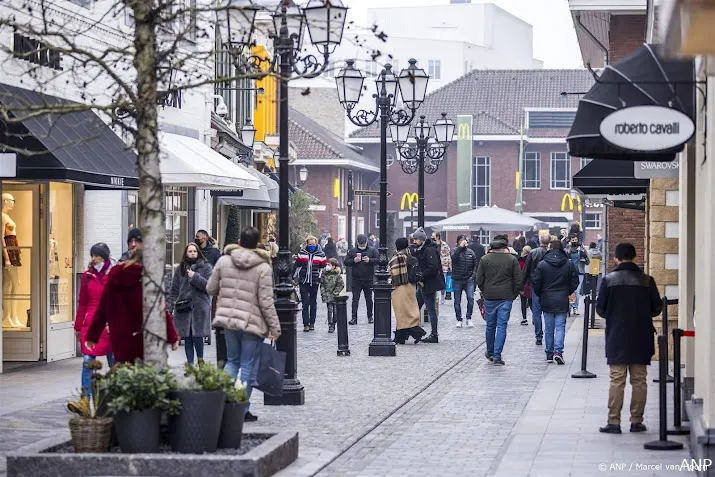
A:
x: 526, y: 293
x: 554, y: 280
x: 629, y: 300
x: 134, y: 241
x: 593, y: 253
x: 189, y: 303
x: 90, y: 293
x: 464, y: 271
x: 427, y: 255
x: 331, y: 287
x: 342, y: 247
x: 330, y: 249
x: 310, y: 263
x: 272, y: 247
x: 243, y: 284
x: 362, y: 260
x: 579, y: 257
x: 532, y: 261
x: 208, y: 247
x: 372, y: 242
x: 445, y: 257
x: 477, y: 248
x: 499, y: 279
x: 121, y: 311
x: 405, y: 274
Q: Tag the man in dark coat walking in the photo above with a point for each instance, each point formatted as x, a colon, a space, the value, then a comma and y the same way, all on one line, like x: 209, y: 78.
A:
x: 362, y: 260
x: 532, y: 261
x: 464, y: 270
x: 427, y: 254
x: 629, y: 300
x: 554, y: 280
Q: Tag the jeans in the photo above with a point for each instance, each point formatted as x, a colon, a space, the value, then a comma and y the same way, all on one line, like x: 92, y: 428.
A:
x: 192, y: 342
x: 536, y: 316
x: 578, y: 291
x: 525, y: 303
x: 242, y: 355
x: 498, y: 312
x: 87, y: 373
x: 444, y: 292
x: 468, y: 287
x: 332, y: 313
x: 555, y: 326
x: 365, y: 287
x: 428, y: 301
x: 309, y: 297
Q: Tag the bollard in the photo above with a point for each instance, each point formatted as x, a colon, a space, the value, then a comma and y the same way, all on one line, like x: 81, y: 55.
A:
x: 342, y: 312
x: 664, y: 325
x: 594, y: 285
x: 678, y: 429
x: 584, y: 347
x: 663, y: 443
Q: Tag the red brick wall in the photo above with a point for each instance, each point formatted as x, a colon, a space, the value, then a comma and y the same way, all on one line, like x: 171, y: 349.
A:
x: 627, y: 34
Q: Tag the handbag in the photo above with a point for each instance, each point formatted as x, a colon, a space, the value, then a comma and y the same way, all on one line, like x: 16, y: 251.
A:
x: 183, y: 305
x: 448, y: 284
x: 271, y: 369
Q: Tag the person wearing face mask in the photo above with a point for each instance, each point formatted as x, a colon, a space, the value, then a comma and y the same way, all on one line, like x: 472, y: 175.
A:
x: 189, y: 302
x: 310, y: 261
x: 208, y: 248
x: 362, y: 260
x: 432, y: 282
x: 90, y: 292
x: 331, y: 287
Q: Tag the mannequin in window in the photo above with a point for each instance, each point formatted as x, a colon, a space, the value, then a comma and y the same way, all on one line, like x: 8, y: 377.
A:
x: 11, y: 264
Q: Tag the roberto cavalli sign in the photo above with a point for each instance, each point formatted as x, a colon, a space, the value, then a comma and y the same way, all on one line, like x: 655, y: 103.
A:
x: 647, y: 128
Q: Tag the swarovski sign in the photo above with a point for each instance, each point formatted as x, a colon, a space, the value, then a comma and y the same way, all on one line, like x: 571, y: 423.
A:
x: 647, y: 128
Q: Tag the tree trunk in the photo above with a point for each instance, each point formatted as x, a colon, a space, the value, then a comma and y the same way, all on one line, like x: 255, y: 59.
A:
x: 151, y: 210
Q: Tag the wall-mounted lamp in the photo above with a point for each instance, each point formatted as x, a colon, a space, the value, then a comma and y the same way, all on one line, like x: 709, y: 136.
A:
x: 221, y: 109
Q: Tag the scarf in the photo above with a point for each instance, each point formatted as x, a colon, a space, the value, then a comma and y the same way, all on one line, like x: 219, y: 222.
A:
x: 398, y: 268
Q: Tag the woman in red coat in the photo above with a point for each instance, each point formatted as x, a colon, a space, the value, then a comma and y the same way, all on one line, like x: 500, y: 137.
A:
x: 90, y: 292
x: 121, y: 310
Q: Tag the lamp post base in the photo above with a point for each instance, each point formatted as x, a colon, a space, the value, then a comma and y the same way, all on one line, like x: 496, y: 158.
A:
x: 382, y: 344
x: 583, y: 374
x: 382, y: 347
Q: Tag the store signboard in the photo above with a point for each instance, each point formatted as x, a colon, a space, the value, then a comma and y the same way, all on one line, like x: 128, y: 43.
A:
x: 647, y: 128
x: 656, y: 170
x: 8, y: 164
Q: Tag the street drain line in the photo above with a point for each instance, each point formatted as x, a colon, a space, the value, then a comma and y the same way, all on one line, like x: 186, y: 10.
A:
x: 400, y: 406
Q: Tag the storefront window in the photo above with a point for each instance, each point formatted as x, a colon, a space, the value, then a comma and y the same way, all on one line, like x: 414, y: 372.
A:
x: 18, y: 213
x: 176, y: 223
x: 132, y: 210
x: 61, y: 238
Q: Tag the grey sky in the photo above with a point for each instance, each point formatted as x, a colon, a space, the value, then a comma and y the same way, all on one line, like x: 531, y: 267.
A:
x: 554, y: 35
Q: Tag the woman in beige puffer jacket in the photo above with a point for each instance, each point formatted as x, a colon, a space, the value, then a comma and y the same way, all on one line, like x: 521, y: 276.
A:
x: 243, y: 281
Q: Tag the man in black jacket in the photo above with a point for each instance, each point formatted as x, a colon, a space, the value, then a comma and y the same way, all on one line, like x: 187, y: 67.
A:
x: 464, y: 269
x: 207, y: 244
x: 554, y: 280
x: 477, y: 248
x: 629, y: 300
x: 432, y: 278
x: 362, y: 260
x: 532, y: 261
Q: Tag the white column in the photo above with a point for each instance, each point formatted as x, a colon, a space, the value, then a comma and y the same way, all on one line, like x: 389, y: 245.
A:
x: 686, y: 252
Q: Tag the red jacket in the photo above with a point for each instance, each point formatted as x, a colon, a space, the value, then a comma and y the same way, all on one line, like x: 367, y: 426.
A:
x: 90, y: 292
x: 121, y: 308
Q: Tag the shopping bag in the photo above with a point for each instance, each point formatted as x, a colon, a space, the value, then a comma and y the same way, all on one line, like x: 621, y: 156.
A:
x: 449, y: 284
x: 271, y: 369
x: 480, y: 304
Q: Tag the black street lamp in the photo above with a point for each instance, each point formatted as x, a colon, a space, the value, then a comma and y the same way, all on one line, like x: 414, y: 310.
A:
x: 325, y: 21
x: 412, y: 84
x: 422, y: 152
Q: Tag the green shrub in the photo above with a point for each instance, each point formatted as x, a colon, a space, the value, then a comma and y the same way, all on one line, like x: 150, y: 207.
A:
x: 140, y: 387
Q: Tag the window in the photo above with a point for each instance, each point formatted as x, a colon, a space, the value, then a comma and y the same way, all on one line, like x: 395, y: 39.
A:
x: 372, y: 69
x: 377, y: 220
x: 584, y: 161
x: 435, y: 69
x: 360, y: 225
x: 467, y: 67
x: 177, y: 205
x: 343, y: 188
x: 592, y: 220
x: 532, y: 171
x: 560, y: 170
x: 35, y: 51
x: 481, y: 181
x: 483, y: 237
x: 550, y: 119
x: 342, y: 226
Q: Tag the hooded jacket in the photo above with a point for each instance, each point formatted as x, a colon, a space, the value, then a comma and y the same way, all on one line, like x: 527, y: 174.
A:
x: 331, y: 286
x: 90, y: 294
x: 554, y: 280
x: 211, y: 253
x: 310, y: 265
x: 243, y: 281
x: 498, y: 275
x: 430, y: 265
x: 121, y: 309
x: 362, y: 272
x: 464, y: 264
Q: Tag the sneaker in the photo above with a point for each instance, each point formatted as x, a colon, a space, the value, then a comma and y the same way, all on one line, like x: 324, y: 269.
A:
x: 352, y: 322
x: 312, y: 327
x: 459, y: 324
x: 549, y: 358
x: 331, y: 328
x: 370, y: 320
x: 470, y: 324
x: 610, y: 429
x: 638, y: 427
x: 539, y: 342
x: 431, y: 339
x: 559, y: 358
x: 499, y: 362
x: 306, y: 329
x: 486, y: 355
x: 524, y: 323
x: 574, y: 312
x: 248, y: 417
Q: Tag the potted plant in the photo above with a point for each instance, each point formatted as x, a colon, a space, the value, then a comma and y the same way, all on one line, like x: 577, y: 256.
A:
x: 90, y: 428
x: 195, y: 429
x: 137, y: 395
x: 234, y: 411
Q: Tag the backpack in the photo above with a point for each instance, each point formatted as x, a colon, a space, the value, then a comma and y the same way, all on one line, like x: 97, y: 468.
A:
x: 414, y: 273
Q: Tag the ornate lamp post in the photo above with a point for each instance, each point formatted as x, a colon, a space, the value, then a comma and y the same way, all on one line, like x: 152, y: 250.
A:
x: 325, y: 21
x: 412, y: 85
x: 422, y: 152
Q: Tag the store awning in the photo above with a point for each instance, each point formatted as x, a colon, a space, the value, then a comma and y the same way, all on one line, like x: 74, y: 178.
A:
x: 644, y: 78
x: 76, y: 147
x: 188, y: 162
x: 265, y: 197
x: 609, y: 177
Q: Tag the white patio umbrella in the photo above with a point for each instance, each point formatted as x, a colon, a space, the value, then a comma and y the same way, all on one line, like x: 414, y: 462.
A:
x: 491, y: 219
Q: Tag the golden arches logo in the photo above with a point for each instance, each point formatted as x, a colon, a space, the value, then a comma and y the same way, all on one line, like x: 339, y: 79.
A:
x: 570, y: 200
x: 411, y: 198
x: 464, y: 131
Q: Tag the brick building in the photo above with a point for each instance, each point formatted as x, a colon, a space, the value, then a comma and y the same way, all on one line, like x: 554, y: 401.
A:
x: 328, y: 159
x: 499, y: 102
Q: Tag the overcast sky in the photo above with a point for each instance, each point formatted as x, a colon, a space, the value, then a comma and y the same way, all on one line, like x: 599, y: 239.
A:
x: 554, y: 35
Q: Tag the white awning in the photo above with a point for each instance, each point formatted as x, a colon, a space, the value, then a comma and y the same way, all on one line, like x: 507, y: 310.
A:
x: 265, y: 197
x: 188, y: 162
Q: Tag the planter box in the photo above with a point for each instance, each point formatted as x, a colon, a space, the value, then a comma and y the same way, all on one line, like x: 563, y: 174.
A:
x: 48, y: 458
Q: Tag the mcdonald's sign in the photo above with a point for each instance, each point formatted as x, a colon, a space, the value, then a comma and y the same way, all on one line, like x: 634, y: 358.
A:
x: 464, y: 131
x: 570, y: 201
x: 410, y: 198
x: 464, y: 162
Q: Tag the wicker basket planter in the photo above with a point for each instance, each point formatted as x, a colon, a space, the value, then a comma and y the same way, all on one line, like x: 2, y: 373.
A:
x: 91, y: 435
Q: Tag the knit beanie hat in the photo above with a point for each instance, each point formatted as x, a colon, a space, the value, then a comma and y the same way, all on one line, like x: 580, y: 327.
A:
x: 401, y: 243
x: 100, y: 250
x: 135, y: 234
x: 419, y: 235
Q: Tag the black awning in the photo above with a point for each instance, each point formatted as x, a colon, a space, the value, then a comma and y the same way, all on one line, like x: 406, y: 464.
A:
x: 609, y: 177
x: 644, y: 78
x: 76, y: 147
